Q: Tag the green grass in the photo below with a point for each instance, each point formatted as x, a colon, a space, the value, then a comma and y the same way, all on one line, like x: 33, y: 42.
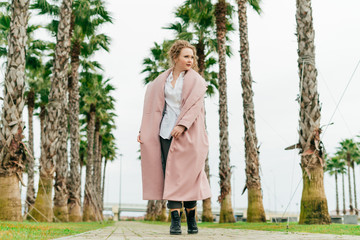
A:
x: 32, y: 230
x: 339, y: 229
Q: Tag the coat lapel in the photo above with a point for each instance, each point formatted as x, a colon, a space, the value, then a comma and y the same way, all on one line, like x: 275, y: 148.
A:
x: 194, y: 87
x: 159, y: 87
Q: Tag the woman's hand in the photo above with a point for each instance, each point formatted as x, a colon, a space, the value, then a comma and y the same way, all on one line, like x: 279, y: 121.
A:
x: 139, y: 139
x: 177, y: 131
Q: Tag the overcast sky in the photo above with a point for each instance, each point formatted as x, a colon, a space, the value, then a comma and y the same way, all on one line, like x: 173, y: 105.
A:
x: 273, y: 54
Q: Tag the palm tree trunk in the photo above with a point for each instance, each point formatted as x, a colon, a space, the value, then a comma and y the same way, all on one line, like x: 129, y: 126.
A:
x: 314, y: 209
x: 59, y: 124
x: 200, y: 52
x: 226, y: 212
x: 350, y: 192
x: 43, y: 203
x: 74, y: 205
x: 97, y: 168
x: 343, y: 188
x: 103, y: 182
x: 56, y: 125
x: 355, y: 200
x: 150, y: 211
x: 255, y: 210
x: 99, y: 186
x: 30, y: 191
x: 207, y: 215
x: 160, y: 214
x: 81, y: 158
x: 89, y: 208
x: 61, y: 192
x: 337, y: 195
x: 13, y: 151
x: 42, y: 127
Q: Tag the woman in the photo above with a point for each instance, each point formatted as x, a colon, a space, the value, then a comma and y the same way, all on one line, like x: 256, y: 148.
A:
x: 172, y: 137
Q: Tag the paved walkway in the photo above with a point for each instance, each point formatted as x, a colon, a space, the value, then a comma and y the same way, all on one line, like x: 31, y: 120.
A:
x: 136, y: 230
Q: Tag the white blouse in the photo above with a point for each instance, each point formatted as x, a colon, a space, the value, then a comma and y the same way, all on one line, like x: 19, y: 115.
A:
x: 173, y: 104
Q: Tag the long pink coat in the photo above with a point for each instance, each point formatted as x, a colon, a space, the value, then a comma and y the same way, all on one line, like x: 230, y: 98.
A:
x: 185, y: 178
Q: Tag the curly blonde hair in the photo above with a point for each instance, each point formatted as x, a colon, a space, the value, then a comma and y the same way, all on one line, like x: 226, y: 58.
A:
x: 176, y: 48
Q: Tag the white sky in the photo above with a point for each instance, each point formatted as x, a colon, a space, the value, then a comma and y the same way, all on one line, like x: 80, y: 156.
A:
x: 273, y: 53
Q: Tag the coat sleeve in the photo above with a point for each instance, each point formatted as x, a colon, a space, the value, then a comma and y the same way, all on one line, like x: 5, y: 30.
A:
x: 191, y: 114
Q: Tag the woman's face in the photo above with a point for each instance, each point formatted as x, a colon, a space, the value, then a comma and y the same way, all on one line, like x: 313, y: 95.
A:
x: 185, y: 60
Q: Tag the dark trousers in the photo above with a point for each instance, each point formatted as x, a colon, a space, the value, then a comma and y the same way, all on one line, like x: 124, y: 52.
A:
x: 165, y: 145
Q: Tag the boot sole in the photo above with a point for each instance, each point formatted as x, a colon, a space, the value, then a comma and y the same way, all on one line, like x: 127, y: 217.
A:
x: 175, y: 233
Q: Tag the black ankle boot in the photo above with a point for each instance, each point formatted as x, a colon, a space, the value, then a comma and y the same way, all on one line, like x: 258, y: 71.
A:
x: 191, y: 221
x: 175, y: 227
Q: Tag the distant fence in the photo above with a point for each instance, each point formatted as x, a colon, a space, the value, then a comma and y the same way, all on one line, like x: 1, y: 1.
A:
x: 126, y: 207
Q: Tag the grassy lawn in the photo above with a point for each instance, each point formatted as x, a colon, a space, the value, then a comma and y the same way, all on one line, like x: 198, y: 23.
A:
x: 32, y: 230
x: 339, y: 229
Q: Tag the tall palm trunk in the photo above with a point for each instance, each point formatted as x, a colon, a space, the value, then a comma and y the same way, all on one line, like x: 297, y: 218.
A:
x: 349, y: 180
x: 44, y: 193
x: 314, y: 209
x: 42, y: 126
x: 150, y: 210
x: 97, y: 168
x: 226, y: 212
x: 56, y: 119
x: 207, y: 215
x: 89, y: 208
x: 355, y: 199
x: 255, y: 210
x: 99, y: 186
x: 61, y: 169
x: 343, y: 190
x: 200, y: 52
x: 30, y: 191
x: 56, y: 128
x: 160, y: 211
x: 337, y: 195
x: 103, y: 182
x: 13, y: 149
x: 74, y: 205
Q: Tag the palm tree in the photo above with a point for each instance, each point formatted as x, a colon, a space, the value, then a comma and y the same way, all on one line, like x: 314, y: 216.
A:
x: 5, y: 19
x: 34, y: 72
x: 314, y: 209
x: 356, y: 160
x: 335, y: 166
x: 349, y: 151
x: 41, y: 86
x: 226, y: 212
x: 33, y: 69
x: 86, y: 19
x: 89, y: 207
x: 93, y: 92
x: 13, y: 149
x: 255, y: 209
x: 343, y: 190
x: 54, y: 157
x: 158, y: 61
x: 104, y: 116
x: 34, y: 78
x: 108, y: 150
x: 150, y: 211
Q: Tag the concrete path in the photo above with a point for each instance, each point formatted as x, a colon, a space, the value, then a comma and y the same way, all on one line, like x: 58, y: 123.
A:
x: 136, y: 230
